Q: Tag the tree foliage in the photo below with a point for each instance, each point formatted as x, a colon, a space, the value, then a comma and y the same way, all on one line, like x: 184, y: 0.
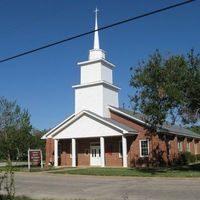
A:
x: 14, y: 129
x: 168, y: 88
x: 196, y: 129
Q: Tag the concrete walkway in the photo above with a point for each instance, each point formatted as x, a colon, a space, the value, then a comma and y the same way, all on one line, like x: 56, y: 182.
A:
x: 44, y: 185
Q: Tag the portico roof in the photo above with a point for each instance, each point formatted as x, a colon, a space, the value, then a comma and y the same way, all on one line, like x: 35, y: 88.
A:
x: 88, y: 124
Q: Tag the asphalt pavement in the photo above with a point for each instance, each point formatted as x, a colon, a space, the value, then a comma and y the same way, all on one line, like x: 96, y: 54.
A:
x: 44, y: 185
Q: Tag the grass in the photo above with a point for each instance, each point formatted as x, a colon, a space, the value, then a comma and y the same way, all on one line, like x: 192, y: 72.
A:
x: 186, y: 171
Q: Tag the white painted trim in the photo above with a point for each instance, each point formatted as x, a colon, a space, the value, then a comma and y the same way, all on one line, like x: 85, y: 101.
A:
x: 55, y: 153
x: 108, y: 64
x: 102, y: 147
x: 180, y: 145
x: 124, y: 151
x: 73, y: 152
x: 140, y: 141
x: 196, y: 147
x: 105, y: 83
x: 89, y: 114
x: 188, y: 148
x: 95, y: 144
x: 47, y: 135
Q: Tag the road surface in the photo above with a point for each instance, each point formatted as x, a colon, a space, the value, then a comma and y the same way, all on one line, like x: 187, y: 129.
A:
x: 44, y: 185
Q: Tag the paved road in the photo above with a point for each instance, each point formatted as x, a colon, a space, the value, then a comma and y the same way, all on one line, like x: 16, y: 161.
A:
x: 106, y: 188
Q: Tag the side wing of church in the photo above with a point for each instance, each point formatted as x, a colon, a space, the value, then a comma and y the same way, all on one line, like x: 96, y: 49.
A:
x: 100, y: 133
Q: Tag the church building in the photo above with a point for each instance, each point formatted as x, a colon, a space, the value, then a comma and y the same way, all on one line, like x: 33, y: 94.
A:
x: 100, y: 133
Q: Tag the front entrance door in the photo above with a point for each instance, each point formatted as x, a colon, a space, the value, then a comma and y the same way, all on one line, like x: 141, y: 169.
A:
x: 95, y: 154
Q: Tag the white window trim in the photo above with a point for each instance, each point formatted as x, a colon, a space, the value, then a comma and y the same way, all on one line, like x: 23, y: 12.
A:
x: 195, y: 148
x: 140, y: 141
x: 180, y: 146
x: 169, y: 146
x: 120, y: 146
x: 188, y: 146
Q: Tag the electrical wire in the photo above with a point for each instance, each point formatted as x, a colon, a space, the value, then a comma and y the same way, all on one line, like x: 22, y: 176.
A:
x: 99, y: 29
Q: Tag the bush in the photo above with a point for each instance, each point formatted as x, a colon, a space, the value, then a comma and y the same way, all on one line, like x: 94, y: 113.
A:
x: 198, y: 157
x: 187, y: 157
x: 7, y: 183
x: 193, y: 158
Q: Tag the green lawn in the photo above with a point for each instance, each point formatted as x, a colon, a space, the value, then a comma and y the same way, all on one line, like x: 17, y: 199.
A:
x: 188, y: 171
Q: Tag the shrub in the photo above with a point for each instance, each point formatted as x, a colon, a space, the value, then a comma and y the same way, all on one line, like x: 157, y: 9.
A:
x: 193, y: 158
x: 198, y: 157
x: 186, y: 158
x: 7, y: 183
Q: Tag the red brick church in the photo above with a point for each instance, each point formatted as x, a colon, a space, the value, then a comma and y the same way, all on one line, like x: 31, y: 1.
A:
x: 100, y: 133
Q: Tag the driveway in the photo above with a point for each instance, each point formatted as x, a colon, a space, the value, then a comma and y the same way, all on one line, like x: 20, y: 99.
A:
x: 44, y: 185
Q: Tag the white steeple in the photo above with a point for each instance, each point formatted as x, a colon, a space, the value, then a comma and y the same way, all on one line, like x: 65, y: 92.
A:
x: 96, y: 90
x: 96, y: 52
x: 96, y: 34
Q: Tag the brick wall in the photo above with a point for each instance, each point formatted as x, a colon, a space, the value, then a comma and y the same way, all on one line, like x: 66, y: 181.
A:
x: 49, y: 151
x: 112, y: 157
x: 157, y: 147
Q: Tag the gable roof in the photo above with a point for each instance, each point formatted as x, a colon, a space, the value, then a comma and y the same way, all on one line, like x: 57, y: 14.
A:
x: 45, y: 136
x: 141, y: 118
x: 105, y: 121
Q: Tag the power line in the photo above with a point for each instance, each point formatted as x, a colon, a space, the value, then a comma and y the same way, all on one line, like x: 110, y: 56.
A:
x: 100, y: 29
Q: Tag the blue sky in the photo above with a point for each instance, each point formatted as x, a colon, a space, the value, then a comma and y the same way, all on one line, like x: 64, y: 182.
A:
x: 41, y: 82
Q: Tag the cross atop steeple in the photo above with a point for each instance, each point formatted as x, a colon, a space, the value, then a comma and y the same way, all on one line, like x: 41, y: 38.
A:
x: 96, y: 52
x: 96, y: 34
x: 96, y: 11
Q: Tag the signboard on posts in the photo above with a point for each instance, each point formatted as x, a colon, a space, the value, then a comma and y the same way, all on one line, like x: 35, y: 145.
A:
x: 35, y: 158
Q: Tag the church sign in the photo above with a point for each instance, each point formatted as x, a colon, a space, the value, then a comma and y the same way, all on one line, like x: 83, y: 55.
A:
x: 35, y: 158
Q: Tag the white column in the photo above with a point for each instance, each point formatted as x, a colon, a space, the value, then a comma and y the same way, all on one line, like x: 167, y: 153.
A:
x: 73, y: 152
x: 55, y: 153
x: 102, y: 145
x: 124, y: 151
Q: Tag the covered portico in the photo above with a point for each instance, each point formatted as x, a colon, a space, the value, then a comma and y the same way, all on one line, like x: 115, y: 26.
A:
x: 87, y: 126
x: 96, y: 152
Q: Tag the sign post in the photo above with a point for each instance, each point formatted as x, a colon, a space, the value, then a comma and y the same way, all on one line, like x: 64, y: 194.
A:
x: 35, y: 158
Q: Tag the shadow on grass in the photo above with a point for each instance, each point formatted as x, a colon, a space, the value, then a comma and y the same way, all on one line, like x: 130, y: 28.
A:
x: 185, y: 168
x: 5, y: 197
x: 191, y: 167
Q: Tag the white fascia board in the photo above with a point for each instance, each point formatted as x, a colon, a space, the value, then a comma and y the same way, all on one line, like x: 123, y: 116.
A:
x: 108, y: 64
x: 126, y: 115
x: 115, y: 88
x: 49, y: 133
x: 67, y: 123
x: 90, y: 114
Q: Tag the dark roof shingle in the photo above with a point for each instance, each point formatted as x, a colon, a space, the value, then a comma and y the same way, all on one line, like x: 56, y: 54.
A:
x: 174, y: 129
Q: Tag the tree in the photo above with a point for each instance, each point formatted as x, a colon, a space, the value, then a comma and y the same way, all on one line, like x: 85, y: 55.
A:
x: 196, y: 129
x: 36, y: 142
x: 15, y: 130
x: 167, y: 88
